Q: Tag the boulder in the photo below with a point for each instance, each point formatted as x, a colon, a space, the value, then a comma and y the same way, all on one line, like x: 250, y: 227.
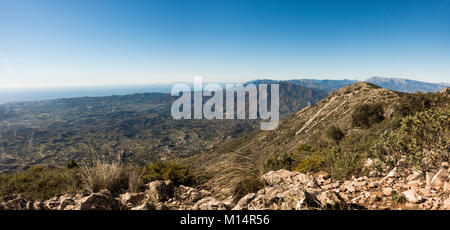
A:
x: 414, y: 176
x: 66, y: 201
x: 98, y: 201
x: 446, y: 204
x: 440, y: 178
x: 209, y: 203
x: 132, y: 198
x: 14, y: 202
x: 446, y: 187
x: 331, y: 200
x: 159, y: 191
x: 244, y: 201
x: 189, y: 194
x: 387, y: 191
x: 412, y: 196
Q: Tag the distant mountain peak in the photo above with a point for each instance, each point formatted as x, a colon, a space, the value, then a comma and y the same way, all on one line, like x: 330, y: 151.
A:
x: 405, y: 85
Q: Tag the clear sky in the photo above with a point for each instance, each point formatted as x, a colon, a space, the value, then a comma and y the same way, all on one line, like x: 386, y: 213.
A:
x: 89, y: 42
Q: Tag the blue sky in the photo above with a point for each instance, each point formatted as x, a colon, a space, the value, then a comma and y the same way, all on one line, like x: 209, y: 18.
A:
x: 93, y: 42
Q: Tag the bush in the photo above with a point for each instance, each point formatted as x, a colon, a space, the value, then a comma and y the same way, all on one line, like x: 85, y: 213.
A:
x: 167, y: 170
x: 40, y: 182
x: 310, y: 164
x: 288, y: 160
x: 413, y: 103
x: 419, y: 102
x: 342, y: 163
x: 72, y: 164
x: 335, y: 134
x: 367, y: 115
x: 283, y: 161
x: 423, y: 138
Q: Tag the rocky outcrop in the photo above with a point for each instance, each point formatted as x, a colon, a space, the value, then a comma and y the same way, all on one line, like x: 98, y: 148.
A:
x: 284, y: 190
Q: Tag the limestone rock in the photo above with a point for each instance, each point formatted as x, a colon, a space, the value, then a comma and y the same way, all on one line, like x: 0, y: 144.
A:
x: 412, y: 196
x: 244, y: 201
x: 98, y: 201
x: 132, y: 198
x: 209, y: 203
x: 145, y: 206
x: 440, y: 178
x: 160, y: 190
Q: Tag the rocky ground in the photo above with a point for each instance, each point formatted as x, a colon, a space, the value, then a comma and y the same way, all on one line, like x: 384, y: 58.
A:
x: 396, y: 189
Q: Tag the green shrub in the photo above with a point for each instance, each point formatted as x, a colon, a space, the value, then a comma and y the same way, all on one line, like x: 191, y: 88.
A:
x: 342, y: 163
x: 288, y: 160
x: 411, y: 104
x: 423, y: 138
x: 72, y: 164
x: 310, y: 164
x: 335, y: 133
x: 283, y: 161
x: 367, y: 115
x: 166, y: 170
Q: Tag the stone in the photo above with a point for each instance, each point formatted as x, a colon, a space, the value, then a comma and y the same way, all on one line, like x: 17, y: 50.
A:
x: 145, y: 206
x: 209, y: 203
x: 446, y: 187
x: 387, y: 191
x: 444, y: 165
x: 412, y: 196
x: 98, y: 201
x: 331, y: 200
x: 439, y: 179
x: 425, y: 191
x: 159, y: 191
x: 373, y: 173
x: 350, y: 188
x: 38, y: 205
x: 65, y: 202
x: 14, y: 202
x: 244, y: 201
x: 52, y: 204
x: 392, y: 173
x: 428, y: 177
x: 446, y: 204
x: 189, y: 194
x: 132, y: 198
x: 415, y: 175
x: 368, y: 162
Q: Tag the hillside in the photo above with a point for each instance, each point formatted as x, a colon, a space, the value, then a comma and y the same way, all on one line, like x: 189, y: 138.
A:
x: 302, y: 137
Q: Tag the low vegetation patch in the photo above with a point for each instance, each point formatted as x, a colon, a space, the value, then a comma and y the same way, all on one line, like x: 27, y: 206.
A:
x: 41, y: 182
x: 367, y: 115
x: 310, y: 164
x: 166, y: 170
x: 335, y: 134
